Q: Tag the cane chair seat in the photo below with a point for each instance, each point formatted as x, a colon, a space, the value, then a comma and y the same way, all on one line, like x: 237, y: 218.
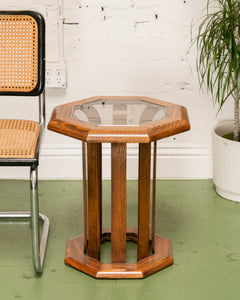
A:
x: 18, y: 138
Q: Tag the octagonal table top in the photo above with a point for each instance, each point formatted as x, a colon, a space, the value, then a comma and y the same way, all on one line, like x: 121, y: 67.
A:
x: 106, y: 119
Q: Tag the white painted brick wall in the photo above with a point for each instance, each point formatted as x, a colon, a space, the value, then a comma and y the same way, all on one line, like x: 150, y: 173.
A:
x: 127, y: 47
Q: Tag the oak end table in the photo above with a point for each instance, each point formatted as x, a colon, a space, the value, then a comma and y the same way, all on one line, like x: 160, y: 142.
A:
x: 118, y: 120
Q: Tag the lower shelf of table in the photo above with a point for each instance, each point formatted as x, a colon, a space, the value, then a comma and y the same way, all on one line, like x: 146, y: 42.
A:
x: 161, y: 259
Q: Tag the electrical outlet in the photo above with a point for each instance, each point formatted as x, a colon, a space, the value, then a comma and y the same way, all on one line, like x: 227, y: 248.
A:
x: 56, y: 75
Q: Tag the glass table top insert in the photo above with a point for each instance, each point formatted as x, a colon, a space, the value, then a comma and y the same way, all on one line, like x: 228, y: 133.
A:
x: 119, y: 112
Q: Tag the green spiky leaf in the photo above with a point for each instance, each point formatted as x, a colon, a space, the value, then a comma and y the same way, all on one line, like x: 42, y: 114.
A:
x: 218, y: 51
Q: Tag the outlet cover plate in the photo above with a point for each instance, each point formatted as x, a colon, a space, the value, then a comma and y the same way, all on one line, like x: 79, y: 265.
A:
x: 56, y: 75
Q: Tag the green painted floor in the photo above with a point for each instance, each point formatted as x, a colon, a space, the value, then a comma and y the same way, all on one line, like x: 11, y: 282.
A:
x: 203, y: 227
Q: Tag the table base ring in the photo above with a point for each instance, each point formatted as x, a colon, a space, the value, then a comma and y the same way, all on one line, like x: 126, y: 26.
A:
x: 76, y: 258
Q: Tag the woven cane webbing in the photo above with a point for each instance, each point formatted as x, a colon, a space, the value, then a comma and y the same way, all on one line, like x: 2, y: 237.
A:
x: 18, y: 53
x: 18, y: 138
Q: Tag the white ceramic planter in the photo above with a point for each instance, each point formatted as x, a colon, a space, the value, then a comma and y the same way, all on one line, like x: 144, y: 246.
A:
x: 226, y: 162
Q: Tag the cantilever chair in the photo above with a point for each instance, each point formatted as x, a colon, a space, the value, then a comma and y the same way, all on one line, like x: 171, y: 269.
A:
x: 22, y: 73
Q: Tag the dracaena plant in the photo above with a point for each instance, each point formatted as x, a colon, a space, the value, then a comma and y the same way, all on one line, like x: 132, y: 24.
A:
x: 218, y: 54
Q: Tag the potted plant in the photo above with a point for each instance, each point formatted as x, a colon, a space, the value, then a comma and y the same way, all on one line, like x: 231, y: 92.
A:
x: 218, y: 65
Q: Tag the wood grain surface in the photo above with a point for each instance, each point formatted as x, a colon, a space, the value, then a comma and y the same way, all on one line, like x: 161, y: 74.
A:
x: 62, y: 122
x: 94, y: 199
x: 161, y: 259
x: 119, y: 203
x: 144, y: 199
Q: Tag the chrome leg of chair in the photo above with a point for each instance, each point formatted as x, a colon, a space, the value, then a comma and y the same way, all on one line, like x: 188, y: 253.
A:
x: 38, y: 249
x: 25, y: 216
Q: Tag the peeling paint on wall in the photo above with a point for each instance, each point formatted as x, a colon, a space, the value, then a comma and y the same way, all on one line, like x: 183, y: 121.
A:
x: 127, y: 47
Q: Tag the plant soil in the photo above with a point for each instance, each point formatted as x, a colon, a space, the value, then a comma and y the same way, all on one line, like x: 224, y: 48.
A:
x: 229, y: 136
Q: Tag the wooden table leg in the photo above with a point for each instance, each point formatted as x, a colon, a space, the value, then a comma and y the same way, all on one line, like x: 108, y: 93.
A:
x: 84, y: 176
x: 100, y: 183
x: 94, y: 199
x: 154, y: 194
x: 144, y: 200
x: 90, y: 263
x: 118, y: 227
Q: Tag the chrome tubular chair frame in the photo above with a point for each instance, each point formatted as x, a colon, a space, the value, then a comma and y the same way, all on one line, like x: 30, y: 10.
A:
x: 38, y: 246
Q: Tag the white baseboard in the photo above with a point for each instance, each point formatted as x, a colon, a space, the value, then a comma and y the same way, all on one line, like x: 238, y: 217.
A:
x: 173, y: 161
